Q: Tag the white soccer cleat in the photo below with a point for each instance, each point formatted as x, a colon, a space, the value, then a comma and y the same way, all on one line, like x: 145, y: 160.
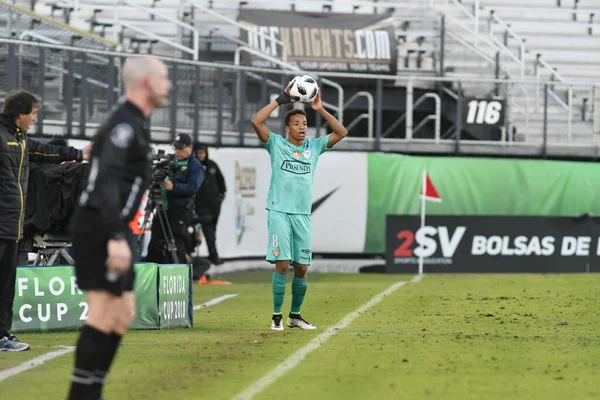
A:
x: 276, y: 322
x: 296, y: 321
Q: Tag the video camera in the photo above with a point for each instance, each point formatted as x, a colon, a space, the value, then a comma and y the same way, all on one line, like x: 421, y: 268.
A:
x: 163, y: 166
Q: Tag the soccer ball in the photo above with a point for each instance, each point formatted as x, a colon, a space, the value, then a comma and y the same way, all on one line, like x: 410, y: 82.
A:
x: 304, y: 89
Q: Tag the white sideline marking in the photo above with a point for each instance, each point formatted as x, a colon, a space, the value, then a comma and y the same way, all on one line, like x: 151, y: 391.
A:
x: 214, y: 301
x: 68, y: 349
x: 7, y: 373
x: 417, y: 278
x: 296, y: 358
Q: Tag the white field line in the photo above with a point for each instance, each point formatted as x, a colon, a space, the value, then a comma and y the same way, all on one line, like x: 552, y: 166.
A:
x: 214, y: 301
x: 296, y: 358
x: 27, y: 365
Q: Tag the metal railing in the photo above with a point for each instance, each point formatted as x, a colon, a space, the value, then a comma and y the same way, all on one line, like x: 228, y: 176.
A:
x: 293, y: 4
x: 249, y: 30
x: 368, y: 115
x: 205, y: 102
x: 573, y: 13
x: 20, y: 20
x: 520, y: 57
x: 119, y: 25
x: 508, y: 32
x: 340, y: 91
x: 473, y: 14
x: 470, y: 35
x: 194, y: 50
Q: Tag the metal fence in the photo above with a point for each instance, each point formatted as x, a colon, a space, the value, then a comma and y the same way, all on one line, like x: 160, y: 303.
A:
x: 214, y: 102
x: 20, y: 23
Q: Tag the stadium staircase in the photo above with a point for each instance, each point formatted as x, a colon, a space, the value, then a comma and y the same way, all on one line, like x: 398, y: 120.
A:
x: 545, y: 40
x: 18, y: 22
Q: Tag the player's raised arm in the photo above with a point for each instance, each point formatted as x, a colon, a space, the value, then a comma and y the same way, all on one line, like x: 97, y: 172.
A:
x: 258, y: 120
x: 339, y: 132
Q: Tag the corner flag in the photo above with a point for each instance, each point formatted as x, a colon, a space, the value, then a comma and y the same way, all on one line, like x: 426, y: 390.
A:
x: 428, y: 192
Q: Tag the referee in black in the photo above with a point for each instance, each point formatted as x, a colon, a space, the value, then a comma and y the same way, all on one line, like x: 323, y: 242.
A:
x: 103, y: 245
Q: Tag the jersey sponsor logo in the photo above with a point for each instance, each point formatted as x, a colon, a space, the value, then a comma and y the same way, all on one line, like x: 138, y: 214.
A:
x: 296, y: 167
x: 121, y: 135
x: 306, y: 251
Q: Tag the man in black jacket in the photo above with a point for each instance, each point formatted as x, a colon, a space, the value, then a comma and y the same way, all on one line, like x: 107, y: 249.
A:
x: 208, y: 201
x: 16, y: 151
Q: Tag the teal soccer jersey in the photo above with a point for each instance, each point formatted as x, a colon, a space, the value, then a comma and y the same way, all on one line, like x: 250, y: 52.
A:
x: 292, y: 173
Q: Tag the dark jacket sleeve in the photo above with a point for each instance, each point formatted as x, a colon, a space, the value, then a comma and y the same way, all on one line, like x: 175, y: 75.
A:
x: 220, y: 179
x: 47, y: 153
x: 195, y: 177
x: 110, y: 166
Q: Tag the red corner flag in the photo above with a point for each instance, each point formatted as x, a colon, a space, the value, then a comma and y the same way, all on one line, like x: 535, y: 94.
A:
x: 428, y: 191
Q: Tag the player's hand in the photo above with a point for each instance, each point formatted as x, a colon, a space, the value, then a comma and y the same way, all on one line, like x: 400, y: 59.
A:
x: 86, y: 152
x: 284, y: 97
x: 119, y: 256
x: 317, y: 105
x: 168, y: 185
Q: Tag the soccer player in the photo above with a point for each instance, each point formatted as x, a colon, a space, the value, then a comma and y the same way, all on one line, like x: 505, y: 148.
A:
x: 293, y: 163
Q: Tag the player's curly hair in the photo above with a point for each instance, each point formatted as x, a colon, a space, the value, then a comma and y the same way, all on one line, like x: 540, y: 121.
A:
x: 293, y: 111
x: 20, y: 102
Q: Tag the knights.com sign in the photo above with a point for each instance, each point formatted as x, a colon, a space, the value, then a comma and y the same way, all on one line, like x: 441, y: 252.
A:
x: 495, y: 244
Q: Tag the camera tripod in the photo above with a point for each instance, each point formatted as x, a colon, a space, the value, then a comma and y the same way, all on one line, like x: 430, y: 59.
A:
x: 156, y: 206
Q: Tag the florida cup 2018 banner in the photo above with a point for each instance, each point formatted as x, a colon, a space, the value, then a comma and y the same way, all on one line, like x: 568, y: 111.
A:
x: 48, y: 298
x: 322, y: 42
x: 493, y: 244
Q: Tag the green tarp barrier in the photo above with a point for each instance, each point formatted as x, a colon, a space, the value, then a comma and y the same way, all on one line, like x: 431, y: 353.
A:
x: 48, y: 299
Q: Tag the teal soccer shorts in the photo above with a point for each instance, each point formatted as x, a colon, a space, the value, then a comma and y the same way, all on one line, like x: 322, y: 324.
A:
x: 290, y: 237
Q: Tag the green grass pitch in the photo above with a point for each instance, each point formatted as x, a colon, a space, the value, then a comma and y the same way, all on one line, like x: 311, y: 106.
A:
x: 446, y: 337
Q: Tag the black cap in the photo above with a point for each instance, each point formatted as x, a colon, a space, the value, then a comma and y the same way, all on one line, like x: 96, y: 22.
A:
x: 182, y: 140
x: 200, y: 147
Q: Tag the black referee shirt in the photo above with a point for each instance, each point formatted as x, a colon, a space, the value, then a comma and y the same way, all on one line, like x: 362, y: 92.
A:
x: 120, y: 169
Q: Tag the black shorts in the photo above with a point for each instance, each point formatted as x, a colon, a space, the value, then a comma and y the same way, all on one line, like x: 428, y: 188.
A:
x: 90, y: 253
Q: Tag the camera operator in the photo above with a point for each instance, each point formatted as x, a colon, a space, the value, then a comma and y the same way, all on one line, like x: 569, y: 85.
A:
x: 180, y: 190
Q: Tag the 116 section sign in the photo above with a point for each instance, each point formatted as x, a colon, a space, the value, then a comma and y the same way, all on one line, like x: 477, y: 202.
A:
x: 492, y: 244
x: 483, y: 118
